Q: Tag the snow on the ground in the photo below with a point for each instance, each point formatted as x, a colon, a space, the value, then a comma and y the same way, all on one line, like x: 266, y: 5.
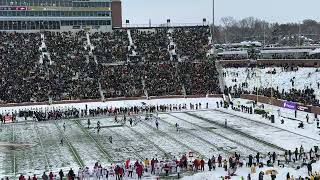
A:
x: 280, y: 79
x: 282, y: 173
x: 310, y: 130
x: 144, y: 141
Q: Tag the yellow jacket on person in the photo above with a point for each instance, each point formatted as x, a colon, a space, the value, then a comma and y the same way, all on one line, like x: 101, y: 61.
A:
x: 146, y: 162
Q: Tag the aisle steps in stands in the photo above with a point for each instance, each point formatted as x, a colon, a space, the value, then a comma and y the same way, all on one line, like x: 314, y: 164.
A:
x: 131, y: 44
x: 211, y: 44
x: 101, y: 92
x: 144, y: 88
x: 222, y: 82
x: 172, y: 46
x: 91, y: 47
x: 44, y: 53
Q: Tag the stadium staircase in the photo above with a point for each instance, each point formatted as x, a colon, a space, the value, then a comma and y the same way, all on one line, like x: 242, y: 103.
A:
x: 145, y: 91
x: 172, y: 51
x: 131, y: 44
x: 222, y: 82
x: 44, y: 51
x: 101, y: 91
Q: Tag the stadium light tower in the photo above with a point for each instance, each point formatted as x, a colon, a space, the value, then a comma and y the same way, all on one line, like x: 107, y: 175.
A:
x: 213, y: 30
x: 212, y: 17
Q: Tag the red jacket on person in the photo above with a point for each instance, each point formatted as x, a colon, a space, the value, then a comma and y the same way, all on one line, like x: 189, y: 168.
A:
x: 202, y: 162
x: 139, y: 170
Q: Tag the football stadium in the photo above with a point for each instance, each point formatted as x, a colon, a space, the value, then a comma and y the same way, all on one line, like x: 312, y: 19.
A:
x: 86, y: 94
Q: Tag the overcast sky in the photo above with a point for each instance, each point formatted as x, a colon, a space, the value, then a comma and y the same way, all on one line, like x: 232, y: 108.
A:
x: 193, y: 11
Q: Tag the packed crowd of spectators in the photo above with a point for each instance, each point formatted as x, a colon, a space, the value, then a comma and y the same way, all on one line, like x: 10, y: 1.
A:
x: 110, y: 47
x: 162, y: 79
x: 153, y: 46
x: 192, y: 42
x: 199, y: 78
x: 73, y: 72
x: 122, y: 80
x: 21, y: 79
x: 39, y: 67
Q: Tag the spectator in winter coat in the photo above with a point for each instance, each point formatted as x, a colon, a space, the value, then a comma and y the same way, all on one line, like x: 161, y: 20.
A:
x: 21, y: 177
x: 196, y: 164
x: 288, y: 176
x: 117, y: 172
x: 51, y: 176
x: 130, y: 170
x: 253, y: 169
x: 178, y: 171
x: 146, y: 164
x: 139, y: 170
x: 202, y: 165
x: 34, y: 177
x: 152, y: 166
x: 166, y: 169
x: 225, y: 165
x: 273, y: 176
x: 127, y: 163
x: 261, y: 175
x: 219, y: 161
x: 309, y: 167
x: 71, y: 174
x: 296, y: 154
x: 209, y: 164
x: 45, y: 176
x: 61, y: 175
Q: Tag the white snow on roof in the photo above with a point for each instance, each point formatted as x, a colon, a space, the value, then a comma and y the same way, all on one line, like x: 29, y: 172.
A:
x: 285, y: 51
x: 316, y: 51
x: 233, y: 53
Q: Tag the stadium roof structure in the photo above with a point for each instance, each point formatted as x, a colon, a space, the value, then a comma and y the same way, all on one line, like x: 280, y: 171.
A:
x: 316, y: 51
x: 233, y: 53
x: 275, y: 51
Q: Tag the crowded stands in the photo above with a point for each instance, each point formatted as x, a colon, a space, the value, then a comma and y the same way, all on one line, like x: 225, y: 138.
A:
x: 39, y: 67
x: 22, y: 79
x: 192, y: 42
x: 110, y: 47
x: 153, y: 46
x: 82, y: 65
x: 122, y: 81
x: 199, y: 78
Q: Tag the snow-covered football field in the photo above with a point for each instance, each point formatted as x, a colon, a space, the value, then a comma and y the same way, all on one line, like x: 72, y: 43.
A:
x: 33, y: 147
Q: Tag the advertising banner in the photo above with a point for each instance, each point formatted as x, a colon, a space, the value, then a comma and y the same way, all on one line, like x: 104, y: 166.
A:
x: 289, y: 105
x: 303, y: 108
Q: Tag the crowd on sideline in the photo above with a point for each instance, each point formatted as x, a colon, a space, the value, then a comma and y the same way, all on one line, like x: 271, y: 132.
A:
x: 264, y: 166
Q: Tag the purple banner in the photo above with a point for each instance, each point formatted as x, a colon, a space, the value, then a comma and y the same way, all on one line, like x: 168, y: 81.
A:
x: 289, y: 105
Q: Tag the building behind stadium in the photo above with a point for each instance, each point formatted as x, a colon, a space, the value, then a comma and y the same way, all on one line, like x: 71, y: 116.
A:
x: 60, y: 15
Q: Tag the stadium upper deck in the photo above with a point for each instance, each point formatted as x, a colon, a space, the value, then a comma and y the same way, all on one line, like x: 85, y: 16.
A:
x: 61, y: 15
